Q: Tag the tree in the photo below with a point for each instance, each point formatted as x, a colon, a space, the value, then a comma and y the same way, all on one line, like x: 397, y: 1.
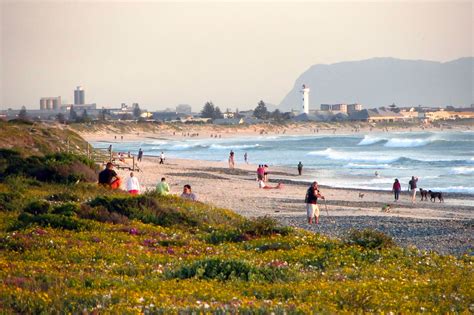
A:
x: 102, y: 114
x: 61, y: 118
x: 217, y: 113
x: 261, y: 111
x: 85, y: 116
x: 277, y: 115
x: 72, y: 114
x: 23, y: 115
x: 137, y: 111
x: 208, y: 110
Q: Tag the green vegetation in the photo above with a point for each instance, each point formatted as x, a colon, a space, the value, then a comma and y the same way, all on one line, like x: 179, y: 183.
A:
x: 75, y: 247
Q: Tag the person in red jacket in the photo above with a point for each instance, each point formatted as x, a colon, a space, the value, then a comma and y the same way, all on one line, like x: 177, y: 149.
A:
x: 396, y: 189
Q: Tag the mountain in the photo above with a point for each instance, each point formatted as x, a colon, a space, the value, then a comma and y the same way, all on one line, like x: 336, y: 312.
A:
x: 383, y: 81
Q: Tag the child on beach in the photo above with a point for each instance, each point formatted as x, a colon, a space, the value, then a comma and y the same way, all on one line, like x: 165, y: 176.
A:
x: 133, y: 186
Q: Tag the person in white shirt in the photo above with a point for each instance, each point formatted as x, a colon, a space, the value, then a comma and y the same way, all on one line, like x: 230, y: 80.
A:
x: 133, y: 186
x: 162, y: 158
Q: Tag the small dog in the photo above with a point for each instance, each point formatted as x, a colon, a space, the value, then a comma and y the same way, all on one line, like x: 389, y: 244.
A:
x: 424, y: 194
x: 361, y: 195
x: 434, y: 195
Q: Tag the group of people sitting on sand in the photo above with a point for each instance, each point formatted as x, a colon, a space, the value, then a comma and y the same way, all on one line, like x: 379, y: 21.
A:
x: 109, y: 178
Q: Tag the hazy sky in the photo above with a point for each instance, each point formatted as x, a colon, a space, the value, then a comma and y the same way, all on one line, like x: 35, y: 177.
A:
x: 161, y: 54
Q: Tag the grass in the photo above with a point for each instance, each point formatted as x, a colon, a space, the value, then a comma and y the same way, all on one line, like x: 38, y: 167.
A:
x: 75, y: 247
x: 178, y: 263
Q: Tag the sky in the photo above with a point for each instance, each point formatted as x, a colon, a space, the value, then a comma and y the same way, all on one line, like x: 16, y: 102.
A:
x: 160, y: 54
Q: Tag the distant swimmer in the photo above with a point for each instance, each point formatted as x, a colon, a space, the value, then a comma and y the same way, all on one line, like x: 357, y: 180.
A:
x: 376, y: 174
x: 246, y: 158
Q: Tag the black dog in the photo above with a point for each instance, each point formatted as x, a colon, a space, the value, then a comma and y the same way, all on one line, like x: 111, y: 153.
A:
x: 434, y: 195
x: 424, y: 194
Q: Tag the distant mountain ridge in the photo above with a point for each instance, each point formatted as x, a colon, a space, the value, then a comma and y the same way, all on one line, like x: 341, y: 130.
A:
x: 382, y: 81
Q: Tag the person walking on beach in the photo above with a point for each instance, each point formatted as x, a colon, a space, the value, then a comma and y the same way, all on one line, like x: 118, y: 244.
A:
x: 188, y: 194
x: 163, y: 188
x: 396, y: 189
x: 140, y: 155
x: 162, y: 158
x: 300, y: 168
x: 245, y: 158
x: 108, y: 177
x: 133, y: 186
x: 311, y: 200
x: 265, y: 173
x: 260, y: 172
x: 231, y: 159
x: 412, y: 187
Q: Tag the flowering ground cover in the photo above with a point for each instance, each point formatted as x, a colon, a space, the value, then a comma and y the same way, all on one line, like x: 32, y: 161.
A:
x: 79, y: 248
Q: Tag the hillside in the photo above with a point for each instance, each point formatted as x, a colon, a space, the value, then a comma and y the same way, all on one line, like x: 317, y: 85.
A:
x: 383, y: 81
x: 70, y: 246
x: 39, y: 138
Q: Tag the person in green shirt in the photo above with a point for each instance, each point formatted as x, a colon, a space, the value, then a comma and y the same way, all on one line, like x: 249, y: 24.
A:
x: 163, y: 188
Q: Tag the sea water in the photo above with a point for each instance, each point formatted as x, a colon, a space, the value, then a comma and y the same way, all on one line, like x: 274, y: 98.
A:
x: 443, y: 161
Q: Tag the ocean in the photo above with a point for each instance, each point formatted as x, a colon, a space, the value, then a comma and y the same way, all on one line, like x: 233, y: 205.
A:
x: 443, y: 161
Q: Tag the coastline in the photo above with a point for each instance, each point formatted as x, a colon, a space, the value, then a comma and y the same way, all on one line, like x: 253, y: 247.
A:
x: 444, y: 227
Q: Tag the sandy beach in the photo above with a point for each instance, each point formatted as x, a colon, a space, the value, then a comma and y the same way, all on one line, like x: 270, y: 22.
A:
x: 445, y: 227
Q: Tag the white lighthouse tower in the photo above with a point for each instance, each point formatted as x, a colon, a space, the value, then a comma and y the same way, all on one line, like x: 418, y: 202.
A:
x: 305, y: 91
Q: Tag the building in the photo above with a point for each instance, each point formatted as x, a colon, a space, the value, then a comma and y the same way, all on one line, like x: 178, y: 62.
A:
x: 305, y: 92
x: 184, y: 109
x: 336, y: 107
x: 50, y: 103
x: 376, y: 115
x: 226, y: 121
x: 354, y: 107
x: 79, y: 96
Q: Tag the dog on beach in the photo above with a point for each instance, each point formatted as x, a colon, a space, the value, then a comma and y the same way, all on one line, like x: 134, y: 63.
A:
x: 434, y: 195
x: 361, y: 195
x: 424, y: 194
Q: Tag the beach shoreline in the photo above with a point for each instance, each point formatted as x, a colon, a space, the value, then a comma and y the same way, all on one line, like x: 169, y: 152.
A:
x: 448, y: 226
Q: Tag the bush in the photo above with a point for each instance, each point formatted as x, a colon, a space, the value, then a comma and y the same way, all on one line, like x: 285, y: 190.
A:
x: 68, y: 209
x: 370, y: 239
x: 101, y: 214
x: 264, y: 226
x: 227, y: 270
x: 63, y: 196
x: 37, y: 207
x: 59, y: 167
x: 144, y: 208
x: 10, y: 201
x: 50, y: 220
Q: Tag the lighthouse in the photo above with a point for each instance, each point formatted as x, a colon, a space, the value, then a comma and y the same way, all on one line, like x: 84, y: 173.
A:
x: 305, y: 91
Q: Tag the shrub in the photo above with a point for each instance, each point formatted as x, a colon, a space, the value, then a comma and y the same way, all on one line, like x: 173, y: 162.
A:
x: 101, y: 214
x: 10, y: 201
x: 146, y: 209
x: 223, y: 270
x: 264, y: 226
x: 63, y: 196
x: 37, y: 207
x: 67, y: 209
x: 370, y: 239
x: 59, y: 167
x: 50, y: 220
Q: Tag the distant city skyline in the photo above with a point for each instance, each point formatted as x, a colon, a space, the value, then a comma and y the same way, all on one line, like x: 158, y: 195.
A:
x: 161, y: 54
